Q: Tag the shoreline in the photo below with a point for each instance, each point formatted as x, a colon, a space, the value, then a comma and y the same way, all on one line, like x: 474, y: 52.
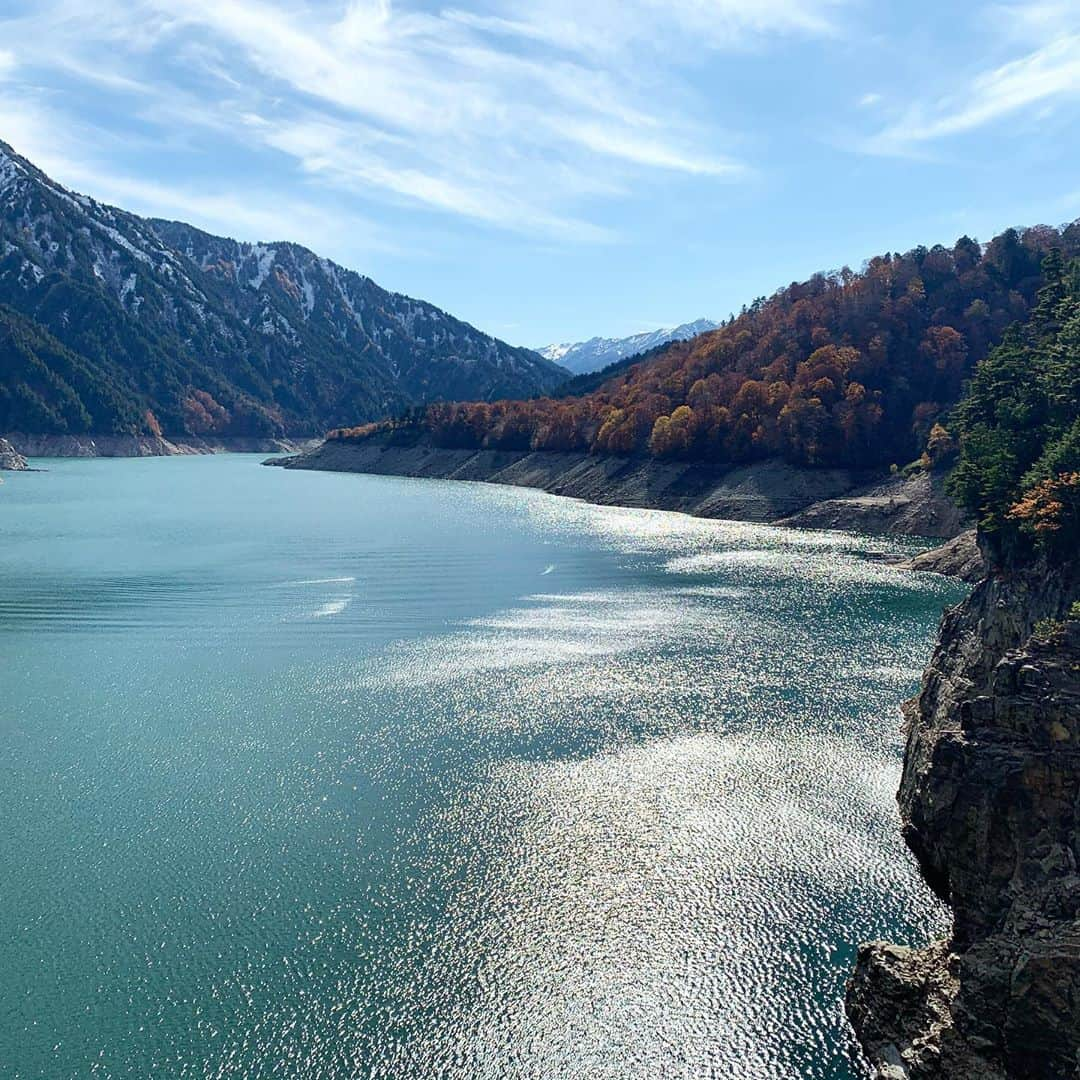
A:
x: 123, y: 446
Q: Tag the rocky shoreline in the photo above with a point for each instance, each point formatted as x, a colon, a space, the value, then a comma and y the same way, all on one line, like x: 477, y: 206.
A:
x: 92, y: 446
x: 959, y: 557
x: 990, y: 806
x: 769, y: 491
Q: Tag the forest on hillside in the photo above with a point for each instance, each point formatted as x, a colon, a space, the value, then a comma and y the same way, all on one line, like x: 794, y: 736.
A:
x: 845, y: 369
x: 115, y: 324
x: 1018, y: 428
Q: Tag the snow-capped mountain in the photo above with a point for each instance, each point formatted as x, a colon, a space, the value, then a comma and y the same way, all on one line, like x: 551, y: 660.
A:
x: 110, y: 322
x: 598, y: 352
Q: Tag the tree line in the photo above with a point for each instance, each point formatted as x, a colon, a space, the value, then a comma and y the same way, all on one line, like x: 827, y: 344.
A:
x: 1018, y: 428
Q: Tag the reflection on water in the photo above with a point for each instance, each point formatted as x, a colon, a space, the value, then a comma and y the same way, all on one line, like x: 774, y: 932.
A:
x: 323, y: 776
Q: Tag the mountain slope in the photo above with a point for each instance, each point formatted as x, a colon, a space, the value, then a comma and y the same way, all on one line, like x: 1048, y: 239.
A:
x: 587, y: 356
x: 163, y: 326
x: 849, y: 370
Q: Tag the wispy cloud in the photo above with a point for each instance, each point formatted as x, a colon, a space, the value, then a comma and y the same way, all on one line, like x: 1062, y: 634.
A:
x: 251, y: 213
x: 66, y: 151
x: 447, y: 110
x: 605, y: 26
x: 1043, y: 76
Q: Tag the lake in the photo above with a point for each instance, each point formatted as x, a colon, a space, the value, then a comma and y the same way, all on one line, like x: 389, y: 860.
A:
x: 322, y: 775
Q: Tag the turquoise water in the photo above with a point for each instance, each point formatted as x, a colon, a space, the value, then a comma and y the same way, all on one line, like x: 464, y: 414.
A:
x: 312, y: 775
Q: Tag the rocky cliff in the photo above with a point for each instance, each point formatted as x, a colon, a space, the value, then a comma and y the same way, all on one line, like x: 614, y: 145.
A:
x: 959, y: 557
x: 990, y: 806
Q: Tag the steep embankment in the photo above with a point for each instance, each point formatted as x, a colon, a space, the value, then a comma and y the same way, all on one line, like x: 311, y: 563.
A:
x: 990, y: 804
x: 959, y: 557
x: 770, y: 491
x: 990, y: 794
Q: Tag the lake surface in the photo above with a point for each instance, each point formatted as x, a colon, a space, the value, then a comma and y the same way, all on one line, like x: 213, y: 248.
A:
x: 330, y: 776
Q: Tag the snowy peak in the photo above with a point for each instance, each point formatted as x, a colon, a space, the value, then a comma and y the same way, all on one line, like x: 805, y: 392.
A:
x: 598, y: 352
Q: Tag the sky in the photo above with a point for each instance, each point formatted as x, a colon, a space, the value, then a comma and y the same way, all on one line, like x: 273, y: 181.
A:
x: 556, y: 169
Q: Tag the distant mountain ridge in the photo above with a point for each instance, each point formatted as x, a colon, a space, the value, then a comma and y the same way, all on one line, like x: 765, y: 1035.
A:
x: 587, y: 356
x: 111, y: 323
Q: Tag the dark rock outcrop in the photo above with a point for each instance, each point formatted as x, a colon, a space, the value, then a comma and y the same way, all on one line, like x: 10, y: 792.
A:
x: 990, y: 806
x: 901, y: 506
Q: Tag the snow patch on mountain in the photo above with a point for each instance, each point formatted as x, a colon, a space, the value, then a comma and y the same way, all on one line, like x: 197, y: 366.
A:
x: 592, y: 355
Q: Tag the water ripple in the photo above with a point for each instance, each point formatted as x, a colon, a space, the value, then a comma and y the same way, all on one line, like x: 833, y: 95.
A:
x: 336, y: 791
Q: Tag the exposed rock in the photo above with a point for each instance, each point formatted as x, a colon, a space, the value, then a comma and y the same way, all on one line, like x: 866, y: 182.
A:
x: 959, y: 557
x: 88, y: 446
x: 902, y: 1008
x: 10, y: 458
x: 768, y: 491
x: 990, y: 805
x: 907, y: 506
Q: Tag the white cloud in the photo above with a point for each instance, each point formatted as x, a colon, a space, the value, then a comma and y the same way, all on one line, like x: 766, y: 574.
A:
x: 641, y: 149
x: 36, y: 130
x: 7, y: 63
x: 448, y: 111
x: 248, y: 214
x: 608, y: 25
x: 1046, y: 75
x: 1033, y: 22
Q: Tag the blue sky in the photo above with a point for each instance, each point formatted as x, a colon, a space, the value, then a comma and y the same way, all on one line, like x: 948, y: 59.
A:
x: 560, y: 168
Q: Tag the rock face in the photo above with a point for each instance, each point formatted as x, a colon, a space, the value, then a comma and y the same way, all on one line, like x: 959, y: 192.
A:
x: 990, y: 806
x: 767, y: 491
x: 10, y: 458
x: 93, y: 446
x: 959, y: 557
x: 914, y: 506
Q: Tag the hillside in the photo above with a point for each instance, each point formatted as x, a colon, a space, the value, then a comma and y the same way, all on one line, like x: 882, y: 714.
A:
x: 843, y: 370
x: 584, y: 357
x: 115, y: 324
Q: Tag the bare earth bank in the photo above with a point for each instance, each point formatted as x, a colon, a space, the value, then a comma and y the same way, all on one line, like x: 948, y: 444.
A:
x: 770, y: 491
x: 144, y: 445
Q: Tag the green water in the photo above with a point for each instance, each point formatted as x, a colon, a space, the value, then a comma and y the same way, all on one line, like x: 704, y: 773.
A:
x: 312, y: 775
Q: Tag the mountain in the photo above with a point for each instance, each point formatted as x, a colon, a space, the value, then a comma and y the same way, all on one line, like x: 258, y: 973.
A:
x: 598, y: 352
x: 112, y: 323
